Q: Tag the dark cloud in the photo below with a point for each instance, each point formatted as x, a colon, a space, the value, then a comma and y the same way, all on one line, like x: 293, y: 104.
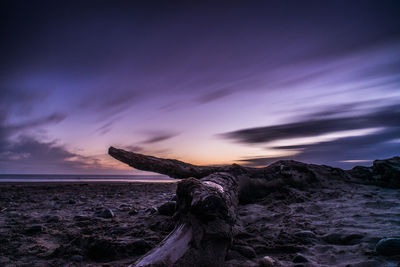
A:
x: 313, y: 125
x: 340, y: 152
x: 134, y: 148
x: 156, y: 137
x: 105, y: 128
x: 28, y: 155
x: 50, y: 119
x: 20, y: 153
x: 343, y: 152
x: 9, y: 130
x: 109, y: 103
x: 214, y: 95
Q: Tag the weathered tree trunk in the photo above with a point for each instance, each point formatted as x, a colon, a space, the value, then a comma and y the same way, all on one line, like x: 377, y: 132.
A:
x: 207, y: 213
x: 207, y: 206
x: 254, y: 183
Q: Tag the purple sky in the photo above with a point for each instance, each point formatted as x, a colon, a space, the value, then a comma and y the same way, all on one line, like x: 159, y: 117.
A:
x: 247, y: 82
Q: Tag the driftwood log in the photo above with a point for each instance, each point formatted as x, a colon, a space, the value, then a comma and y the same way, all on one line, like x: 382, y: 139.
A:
x: 207, y: 200
x: 208, y: 197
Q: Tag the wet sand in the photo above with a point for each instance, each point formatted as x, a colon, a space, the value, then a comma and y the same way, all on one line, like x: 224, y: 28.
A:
x: 59, y: 224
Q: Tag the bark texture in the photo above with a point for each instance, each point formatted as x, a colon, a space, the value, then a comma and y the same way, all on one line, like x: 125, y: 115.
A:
x: 206, y: 216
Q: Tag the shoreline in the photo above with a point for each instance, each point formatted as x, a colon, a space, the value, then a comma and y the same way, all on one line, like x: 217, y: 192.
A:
x: 87, y: 182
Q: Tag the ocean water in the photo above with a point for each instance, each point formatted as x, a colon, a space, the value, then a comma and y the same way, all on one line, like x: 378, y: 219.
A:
x: 84, y: 178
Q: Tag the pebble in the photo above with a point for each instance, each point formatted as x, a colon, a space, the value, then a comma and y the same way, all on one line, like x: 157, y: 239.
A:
x: 305, y: 234
x: 167, y: 208
x: 53, y: 219
x: 77, y: 258
x: 133, y: 211
x: 140, y: 247
x: 342, y: 239
x: 81, y: 218
x: 267, y: 261
x: 124, y: 207
x: 34, y: 229
x: 245, y: 251
x: 388, y: 246
x: 299, y: 258
x: 151, y: 210
x: 106, y: 213
x: 101, y: 250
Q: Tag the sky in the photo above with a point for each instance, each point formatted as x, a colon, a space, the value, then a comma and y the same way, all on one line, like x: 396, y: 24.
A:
x: 208, y: 82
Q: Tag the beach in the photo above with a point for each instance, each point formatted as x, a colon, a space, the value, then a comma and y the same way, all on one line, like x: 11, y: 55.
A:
x: 53, y: 224
x: 114, y: 224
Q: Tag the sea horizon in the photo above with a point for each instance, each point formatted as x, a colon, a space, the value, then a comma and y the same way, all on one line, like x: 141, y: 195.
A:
x: 23, y: 178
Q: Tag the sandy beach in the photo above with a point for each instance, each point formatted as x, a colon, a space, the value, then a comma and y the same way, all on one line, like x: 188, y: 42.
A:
x: 59, y: 223
x: 113, y: 224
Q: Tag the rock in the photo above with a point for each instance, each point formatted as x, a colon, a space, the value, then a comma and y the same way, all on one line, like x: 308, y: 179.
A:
x: 34, y: 229
x: 268, y: 261
x: 106, y: 213
x: 53, y: 219
x: 369, y: 263
x: 305, y: 234
x: 124, y: 207
x: 80, y: 218
x: 234, y: 255
x: 385, y: 173
x: 133, y: 211
x: 119, y: 230
x: 77, y: 258
x: 388, y: 246
x: 151, y: 210
x: 245, y: 251
x: 139, y: 247
x: 101, y: 250
x: 167, y: 208
x: 342, y: 239
x: 299, y: 258
x: 240, y: 263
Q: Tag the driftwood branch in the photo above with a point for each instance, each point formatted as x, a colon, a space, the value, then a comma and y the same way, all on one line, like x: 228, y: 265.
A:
x: 171, y: 167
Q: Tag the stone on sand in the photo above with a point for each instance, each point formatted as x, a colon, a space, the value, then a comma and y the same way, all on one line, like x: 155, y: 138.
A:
x: 305, y: 234
x: 299, y: 258
x: 245, y: 251
x: 343, y: 239
x: 35, y: 229
x: 268, y: 261
x: 151, y: 210
x: 80, y: 218
x: 53, y: 218
x: 140, y: 247
x: 167, y: 208
x: 133, y: 211
x: 101, y: 250
x: 388, y: 246
x: 106, y: 213
x: 76, y: 258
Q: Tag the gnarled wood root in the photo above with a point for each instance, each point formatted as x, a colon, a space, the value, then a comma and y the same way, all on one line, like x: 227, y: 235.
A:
x: 206, y: 215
